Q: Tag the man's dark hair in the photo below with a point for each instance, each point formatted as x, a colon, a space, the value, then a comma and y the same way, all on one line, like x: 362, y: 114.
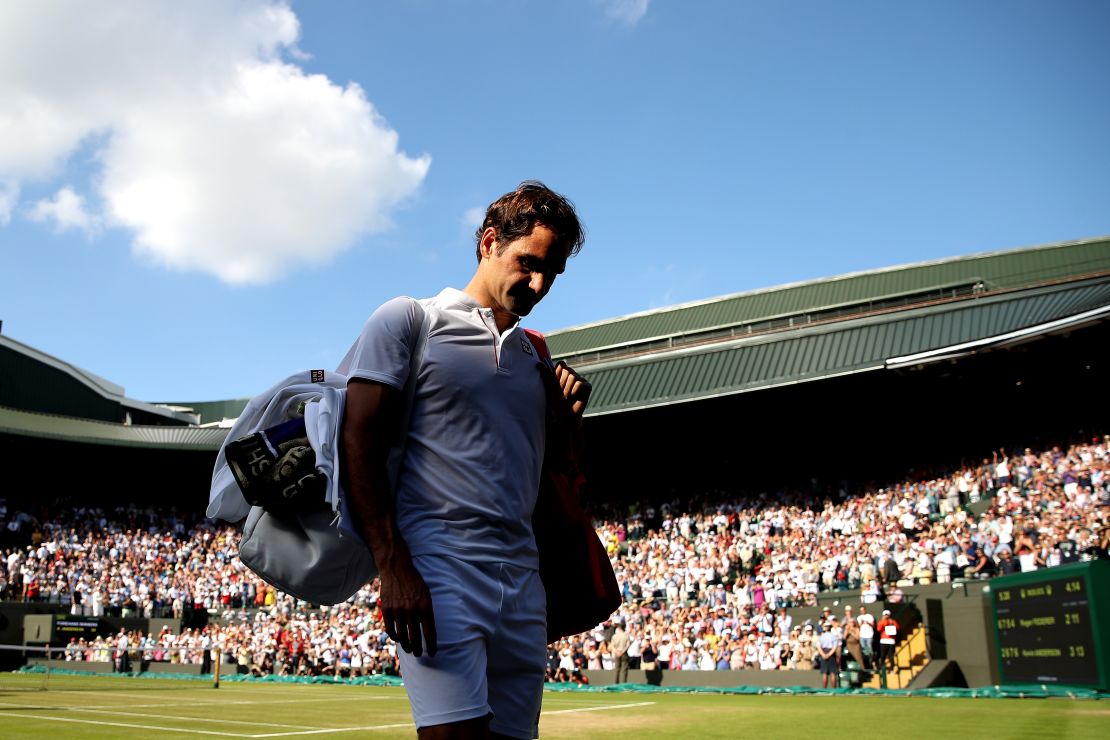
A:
x: 515, y: 215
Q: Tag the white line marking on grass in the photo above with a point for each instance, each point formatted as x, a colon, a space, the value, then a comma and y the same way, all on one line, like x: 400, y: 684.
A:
x: 217, y: 703
x: 323, y: 731
x: 128, y: 724
x: 336, y: 729
x: 95, y: 710
x: 230, y: 702
x: 345, y: 697
x: 123, y: 694
x: 601, y: 708
x: 144, y: 695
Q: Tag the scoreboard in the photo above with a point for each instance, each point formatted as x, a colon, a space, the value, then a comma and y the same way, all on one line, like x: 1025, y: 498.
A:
x: 1052, y: 625
x: 68, y: 627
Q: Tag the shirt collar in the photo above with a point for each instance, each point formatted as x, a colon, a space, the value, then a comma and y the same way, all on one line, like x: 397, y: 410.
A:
x: 456, y: 297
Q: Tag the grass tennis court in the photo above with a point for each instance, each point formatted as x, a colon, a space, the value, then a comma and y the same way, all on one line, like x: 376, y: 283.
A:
x: 107, y: 707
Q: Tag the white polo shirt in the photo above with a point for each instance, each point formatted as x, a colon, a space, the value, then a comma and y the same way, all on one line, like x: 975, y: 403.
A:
x: 468, y: 482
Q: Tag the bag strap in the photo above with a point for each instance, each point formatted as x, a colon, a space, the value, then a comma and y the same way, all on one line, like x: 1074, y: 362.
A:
x: 540, y: 344
x: 418, y: 340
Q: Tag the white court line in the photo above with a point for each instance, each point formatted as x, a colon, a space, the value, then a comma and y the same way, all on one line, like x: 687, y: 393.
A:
x: 186, y: 719
x: 602, y: 708
x: 409, y: 724
x: 336, y: 729
x: 228, y: 703
x: 212, y: 732
x: 204, y: 703
x: 175, y: 693
x: 102, y: 691
x: 392, y: 727
x: 274, y: 688
x: 124, y: 694
x: 127, y: 724
x: 301, y: 732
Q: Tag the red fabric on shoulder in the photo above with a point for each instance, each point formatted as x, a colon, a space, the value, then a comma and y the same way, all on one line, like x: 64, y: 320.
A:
x: 538, y: 341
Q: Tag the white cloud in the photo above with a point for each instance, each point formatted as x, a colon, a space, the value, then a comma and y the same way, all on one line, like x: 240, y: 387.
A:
x: 628, y: 12
x: 473, y: 217
x: 218, y: 153
x: 67, y: 211
x: 9, y: 194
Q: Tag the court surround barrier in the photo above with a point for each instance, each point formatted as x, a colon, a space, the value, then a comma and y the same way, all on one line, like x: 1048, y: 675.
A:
x: 985, y: 692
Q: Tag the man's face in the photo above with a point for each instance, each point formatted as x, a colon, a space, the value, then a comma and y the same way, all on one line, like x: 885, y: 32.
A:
x: 517, y: 275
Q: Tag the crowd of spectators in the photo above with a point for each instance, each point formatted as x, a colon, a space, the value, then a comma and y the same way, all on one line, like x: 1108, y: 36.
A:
x: 346, y: 642
x: 707, y: 582
x: 705, y: 585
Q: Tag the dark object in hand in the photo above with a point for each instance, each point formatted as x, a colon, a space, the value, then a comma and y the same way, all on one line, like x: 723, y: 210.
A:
x: 276, y: 469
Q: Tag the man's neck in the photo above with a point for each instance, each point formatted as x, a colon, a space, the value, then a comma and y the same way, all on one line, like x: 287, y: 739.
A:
x: 504, y: 320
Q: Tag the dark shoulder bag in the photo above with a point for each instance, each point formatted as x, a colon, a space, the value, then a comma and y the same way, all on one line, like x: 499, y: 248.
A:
x: 582, y: 589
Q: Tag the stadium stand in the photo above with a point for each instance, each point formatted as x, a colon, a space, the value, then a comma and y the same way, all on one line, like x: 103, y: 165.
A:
x: 709, y: 587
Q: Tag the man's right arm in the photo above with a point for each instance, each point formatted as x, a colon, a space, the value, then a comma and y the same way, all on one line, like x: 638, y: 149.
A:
x: 371, y: 423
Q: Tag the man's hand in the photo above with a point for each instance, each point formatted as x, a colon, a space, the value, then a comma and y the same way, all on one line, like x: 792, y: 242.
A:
x: 576, y: 389
x: 406, y: 606
x: 567, y: 395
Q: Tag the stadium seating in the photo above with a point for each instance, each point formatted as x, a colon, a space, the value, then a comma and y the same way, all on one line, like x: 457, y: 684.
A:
x: 713, y: 582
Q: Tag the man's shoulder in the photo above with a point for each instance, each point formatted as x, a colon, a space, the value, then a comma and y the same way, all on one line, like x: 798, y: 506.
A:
x: 448, y: 299
x: 394, y: 317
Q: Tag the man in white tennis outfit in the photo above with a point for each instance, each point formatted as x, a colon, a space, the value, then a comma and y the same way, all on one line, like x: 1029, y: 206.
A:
x: 461, y: 592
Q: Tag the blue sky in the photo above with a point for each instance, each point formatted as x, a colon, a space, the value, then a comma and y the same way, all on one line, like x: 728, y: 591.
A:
x: 198, y: 198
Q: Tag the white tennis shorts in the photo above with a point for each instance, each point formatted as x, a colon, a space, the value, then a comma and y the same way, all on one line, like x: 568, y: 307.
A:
x: 491, y: 630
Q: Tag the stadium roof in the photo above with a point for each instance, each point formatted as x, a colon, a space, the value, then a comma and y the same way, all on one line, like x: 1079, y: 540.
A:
x: 214, y: 412
x: 894, y: 339
x: 785, y: 306
x: 33, y: 380
x: 70, y: 429
x: 864, y: 321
